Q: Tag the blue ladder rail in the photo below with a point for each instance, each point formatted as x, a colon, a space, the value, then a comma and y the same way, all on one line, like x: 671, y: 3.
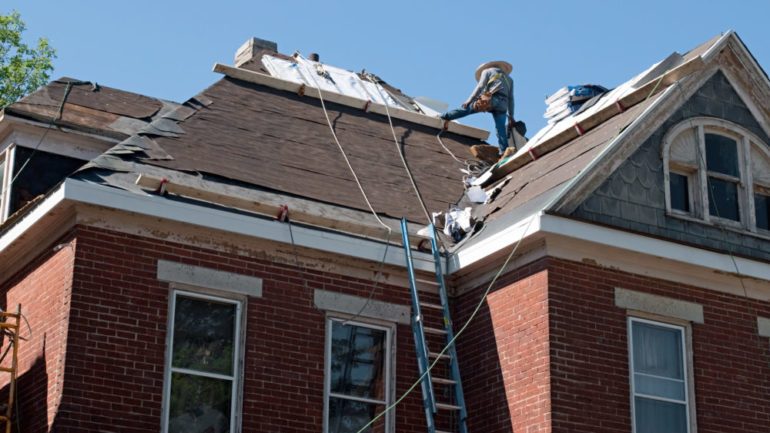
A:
x: 423, y: 354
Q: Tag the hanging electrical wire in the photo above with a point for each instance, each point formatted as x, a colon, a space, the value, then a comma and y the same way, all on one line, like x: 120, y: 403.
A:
x: 52, y: 123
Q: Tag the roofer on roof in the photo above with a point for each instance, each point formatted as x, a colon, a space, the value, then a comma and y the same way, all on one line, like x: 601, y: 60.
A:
x: 493, y: 94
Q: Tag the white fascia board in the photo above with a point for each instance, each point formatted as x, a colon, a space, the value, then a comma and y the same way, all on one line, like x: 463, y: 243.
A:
x: 507, y: 237
x: 550, y: 224
x: 620, y: 138
x: 30, y: 220
x: 543, y: 225
x: 160, y: 207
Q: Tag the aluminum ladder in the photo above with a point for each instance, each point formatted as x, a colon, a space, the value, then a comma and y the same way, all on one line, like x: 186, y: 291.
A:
x: 424, y: 355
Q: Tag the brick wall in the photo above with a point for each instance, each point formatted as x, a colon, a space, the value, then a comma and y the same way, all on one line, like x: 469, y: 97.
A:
x: 118, y: 330
x: 563, y: 313
x: 589, y: 353
x: 550, y: 313
x: 504, y: 354
x: 43, y: 290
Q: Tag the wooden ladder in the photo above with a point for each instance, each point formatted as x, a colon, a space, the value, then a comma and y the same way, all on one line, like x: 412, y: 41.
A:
x: 9, y: 327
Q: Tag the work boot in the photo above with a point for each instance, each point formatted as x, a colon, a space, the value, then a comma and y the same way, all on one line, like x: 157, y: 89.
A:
x: 508, y: 152
x: 485, y: 152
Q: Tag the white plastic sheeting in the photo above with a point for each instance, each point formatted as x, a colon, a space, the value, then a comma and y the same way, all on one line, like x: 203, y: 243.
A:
x: 329, y: 79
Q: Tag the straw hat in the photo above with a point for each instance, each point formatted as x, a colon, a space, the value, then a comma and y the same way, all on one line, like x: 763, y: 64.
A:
x: 502, y: 64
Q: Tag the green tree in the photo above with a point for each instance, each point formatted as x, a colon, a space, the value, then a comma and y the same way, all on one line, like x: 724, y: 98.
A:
x: 23, y: 68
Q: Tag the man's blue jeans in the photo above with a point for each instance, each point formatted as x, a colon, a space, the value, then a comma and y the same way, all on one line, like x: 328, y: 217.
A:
x: 499, y: 107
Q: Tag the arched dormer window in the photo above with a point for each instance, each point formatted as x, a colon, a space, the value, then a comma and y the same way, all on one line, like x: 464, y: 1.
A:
x: 717, y: 172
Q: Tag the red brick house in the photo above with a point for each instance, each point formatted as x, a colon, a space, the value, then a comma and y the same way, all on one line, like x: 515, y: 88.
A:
x: 631, y: 240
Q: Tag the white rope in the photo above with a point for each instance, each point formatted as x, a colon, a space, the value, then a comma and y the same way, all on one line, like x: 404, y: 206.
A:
x: 403, y: 160
x: 457, y: 335
x: 342, y: 150
x: 363, y: 193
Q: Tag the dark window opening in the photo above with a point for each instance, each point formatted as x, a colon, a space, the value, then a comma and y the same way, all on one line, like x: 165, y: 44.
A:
x: 723, y: 199
x: 722, y: 155
x: 43, y: 172
x: 762, y: 211
x: 680, y: 192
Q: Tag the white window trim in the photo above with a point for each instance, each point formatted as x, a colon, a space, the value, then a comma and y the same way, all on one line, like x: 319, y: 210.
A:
x: 390, y: 366
x: 699, y: 202
x: 689, y: 387
x: 7, y: 156
x: 237, y: 388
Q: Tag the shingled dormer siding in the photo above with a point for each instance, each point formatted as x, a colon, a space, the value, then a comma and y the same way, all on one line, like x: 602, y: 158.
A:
x: 633, y: 197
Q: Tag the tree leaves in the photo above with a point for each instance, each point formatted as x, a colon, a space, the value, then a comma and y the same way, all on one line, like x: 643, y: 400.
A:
x: 23, y: 68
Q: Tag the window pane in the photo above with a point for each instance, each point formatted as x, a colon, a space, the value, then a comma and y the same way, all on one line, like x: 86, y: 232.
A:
x: 680, y: 193
x: 659, y: 387
x: 358, y: 361
x: 722, y: 155
x: 348, y: 416
x: 723, y: 199
x: 204, y: 335
x: 657, y: 350
x: 654, y: 416
x: 199, y: 404
x: 762, y: 208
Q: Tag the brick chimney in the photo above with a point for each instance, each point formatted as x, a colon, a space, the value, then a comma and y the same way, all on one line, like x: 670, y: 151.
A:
x: 251, y: 47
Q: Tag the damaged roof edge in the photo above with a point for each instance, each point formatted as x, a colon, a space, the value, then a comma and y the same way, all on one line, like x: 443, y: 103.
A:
x: 368, y: 106
x: 78, y: 191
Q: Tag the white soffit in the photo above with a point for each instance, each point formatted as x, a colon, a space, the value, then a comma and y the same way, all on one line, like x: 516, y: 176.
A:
x: 217, y: 219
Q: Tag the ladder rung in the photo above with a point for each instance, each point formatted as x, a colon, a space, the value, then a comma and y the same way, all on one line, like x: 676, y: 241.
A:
x: 430, y: 305
x: 443, y: 381
x: 6, y: 325
x: 434, y: 330
x: 435, y: 355
x: 431, y: 282
x: 446, y: 406
x: 4, y: 418
x: 6, y: 370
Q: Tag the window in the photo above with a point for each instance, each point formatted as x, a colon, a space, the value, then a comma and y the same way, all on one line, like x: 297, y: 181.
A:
x: 762, y: 209
x: 358, y: 375
x: 5, y: 178
x: 659, y: 377
x: 202, y: 364
x: 717, y: 172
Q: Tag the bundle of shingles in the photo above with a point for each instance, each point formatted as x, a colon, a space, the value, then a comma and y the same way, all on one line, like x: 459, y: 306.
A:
x: 569, y: 99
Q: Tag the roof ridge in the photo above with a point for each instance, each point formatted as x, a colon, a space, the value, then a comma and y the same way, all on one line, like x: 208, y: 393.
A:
x: 350, y: 101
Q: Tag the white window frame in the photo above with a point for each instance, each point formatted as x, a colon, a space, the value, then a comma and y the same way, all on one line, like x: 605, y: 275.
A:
x: 389, y: 377
x: 697, y: 175
x: 686, y: 335
x: 7, y: 156
x: 239, y: 336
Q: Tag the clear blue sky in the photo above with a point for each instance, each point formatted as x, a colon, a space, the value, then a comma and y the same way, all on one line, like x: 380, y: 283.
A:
x: 166, y: 48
